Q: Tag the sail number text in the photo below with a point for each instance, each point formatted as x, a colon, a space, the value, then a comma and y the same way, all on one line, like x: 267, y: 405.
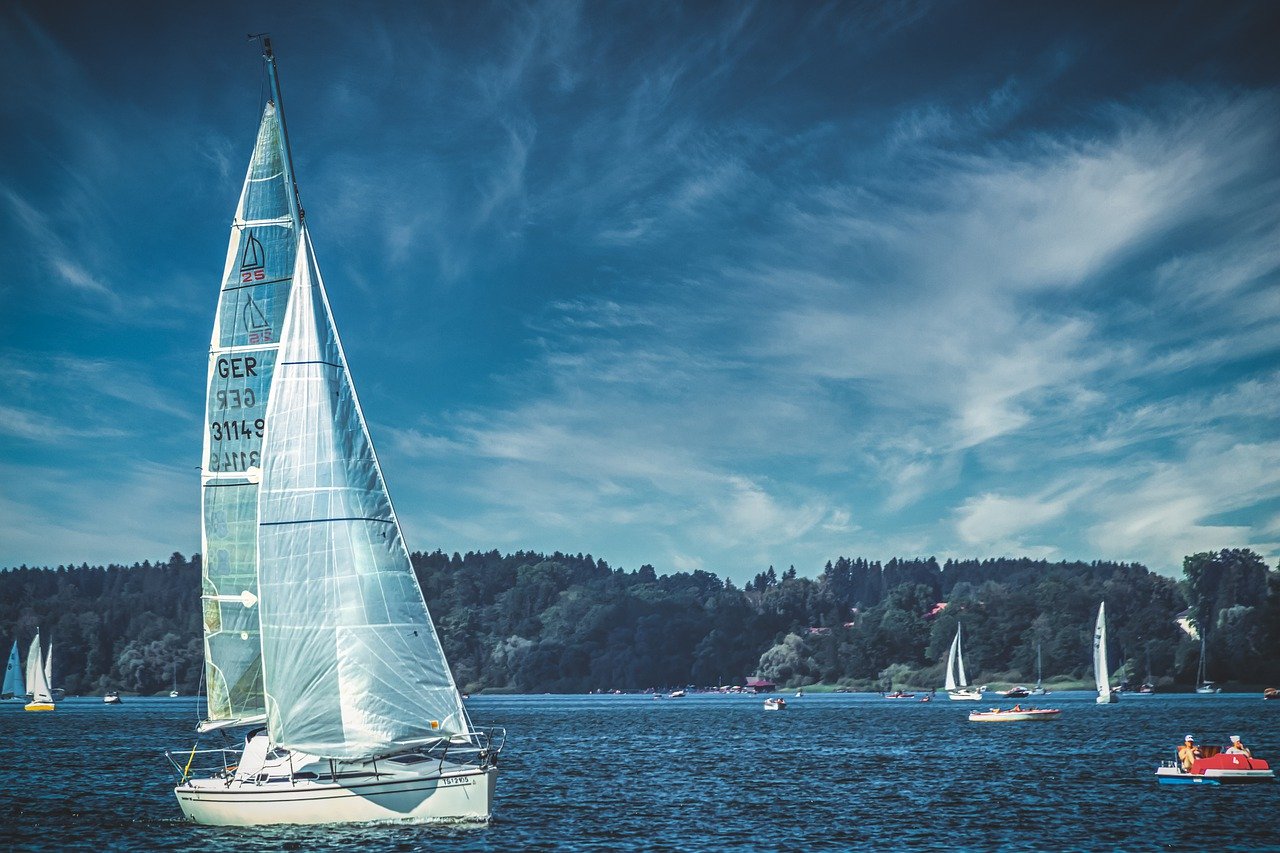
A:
x: 236, y: 460
x: 236, y: 430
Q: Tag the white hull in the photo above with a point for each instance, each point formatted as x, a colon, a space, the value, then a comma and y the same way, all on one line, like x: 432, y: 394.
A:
x: 966, y: 695
x: 1109, y: 699
x: 462, y: 795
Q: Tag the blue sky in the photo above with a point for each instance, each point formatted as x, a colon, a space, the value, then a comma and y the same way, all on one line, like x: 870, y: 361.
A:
x: 705, y: 286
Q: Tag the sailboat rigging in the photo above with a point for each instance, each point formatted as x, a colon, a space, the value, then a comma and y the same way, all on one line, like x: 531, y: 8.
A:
x: 1203, y: 685
x: 314, y: 621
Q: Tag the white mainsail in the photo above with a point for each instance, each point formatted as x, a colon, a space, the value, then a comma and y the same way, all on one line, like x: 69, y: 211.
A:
x: 951, y: 661
x: 48, y: 667
x: 256, y: 283
x: 1101, y: 676
x: 14, y: 683
x: 352, y: 666
x: 36, y: 679
x: 956, y: 677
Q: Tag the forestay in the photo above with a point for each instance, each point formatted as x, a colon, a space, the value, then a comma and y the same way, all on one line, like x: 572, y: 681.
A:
x: 251, y: 307
x: 352, y: 665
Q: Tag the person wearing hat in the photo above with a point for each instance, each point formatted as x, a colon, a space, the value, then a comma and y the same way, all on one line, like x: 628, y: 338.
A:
x: 1238, y: 748
x: 1188, y: 753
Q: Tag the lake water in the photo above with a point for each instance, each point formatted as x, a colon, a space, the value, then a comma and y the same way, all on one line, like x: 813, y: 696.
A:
x: 831, y: 772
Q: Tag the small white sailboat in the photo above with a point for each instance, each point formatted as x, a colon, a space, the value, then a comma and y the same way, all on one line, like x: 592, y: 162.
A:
x: 1101, y: 676
x: 1203, y: 685
x: 38, y: 679
x: 1039, y: 690
x: 315, y: 626
x: 957, y: 682
x: 15, y: 686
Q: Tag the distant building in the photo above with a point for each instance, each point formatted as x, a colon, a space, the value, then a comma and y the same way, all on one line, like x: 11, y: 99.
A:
x: 761, y: 685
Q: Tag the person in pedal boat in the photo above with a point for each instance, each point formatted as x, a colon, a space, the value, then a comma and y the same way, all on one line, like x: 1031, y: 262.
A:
x: 1188, y: 753
x: 1238, y: 748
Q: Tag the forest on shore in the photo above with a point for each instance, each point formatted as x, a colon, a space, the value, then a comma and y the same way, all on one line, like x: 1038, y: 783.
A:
x: 531, y: 622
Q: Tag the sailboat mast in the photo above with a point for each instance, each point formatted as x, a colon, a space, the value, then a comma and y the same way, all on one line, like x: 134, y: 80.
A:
x: 273, y: 75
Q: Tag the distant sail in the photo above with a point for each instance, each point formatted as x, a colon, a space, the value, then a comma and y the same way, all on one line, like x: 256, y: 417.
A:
x: 36, y: 679
x: 14, y: 683
x: 1101, y: 675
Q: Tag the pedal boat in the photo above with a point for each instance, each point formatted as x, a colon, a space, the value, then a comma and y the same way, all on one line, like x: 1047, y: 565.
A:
x: 1013, y: 715
x: 1223, y: 768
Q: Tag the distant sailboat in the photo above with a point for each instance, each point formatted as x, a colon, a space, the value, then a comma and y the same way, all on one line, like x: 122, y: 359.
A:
x: 957, y: 683
x: 314, y: 621
x: 38, y: 679
x: 14, y: 684
x: 1039, y: 690
x: 1202, y: 684
x: 1101, y: 675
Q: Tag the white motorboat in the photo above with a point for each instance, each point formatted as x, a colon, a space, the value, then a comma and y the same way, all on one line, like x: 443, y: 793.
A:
x: 957, y: 682
x: 314, y: 621
x: 1015, y: 714
x: 111, y: 698
x: 775, y: 703
x: 1101, y: 677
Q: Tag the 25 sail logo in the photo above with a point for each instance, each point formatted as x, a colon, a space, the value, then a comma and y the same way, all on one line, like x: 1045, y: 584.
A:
x: 253, y: 260
x: 256, y: 323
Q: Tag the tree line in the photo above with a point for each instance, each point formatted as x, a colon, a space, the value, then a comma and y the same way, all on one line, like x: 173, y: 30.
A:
x: 532, y: 622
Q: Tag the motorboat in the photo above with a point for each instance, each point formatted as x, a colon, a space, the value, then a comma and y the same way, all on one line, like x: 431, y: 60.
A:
x: 1216, y: 768
x: 775, y: 703
x: 1016, y: 714
x: 1016, y: 692
x: 111, y: 698
x: 898, y: 694
x: 1271, y: 693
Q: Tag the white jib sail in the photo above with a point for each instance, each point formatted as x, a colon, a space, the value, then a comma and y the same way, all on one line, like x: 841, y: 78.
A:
x: 256, y: 283
x: 1101, y: 677
x: 14, y: 683
x: 961, y: 678
x: 352, y: 666
x: 951, y: 661
x: 36, y: 681
x: 48, y: 666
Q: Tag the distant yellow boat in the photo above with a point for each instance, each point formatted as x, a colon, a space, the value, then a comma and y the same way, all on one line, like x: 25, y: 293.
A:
x: 38, y: 706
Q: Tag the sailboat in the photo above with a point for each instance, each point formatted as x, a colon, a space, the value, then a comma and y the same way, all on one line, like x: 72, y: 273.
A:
x: 1101, y: 675
x: 38, y: 679
x: 316, y: 631
x: 14, y: 684
x: 957, y: 683
x: 1039, y: 690
x: 1202, y: 685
